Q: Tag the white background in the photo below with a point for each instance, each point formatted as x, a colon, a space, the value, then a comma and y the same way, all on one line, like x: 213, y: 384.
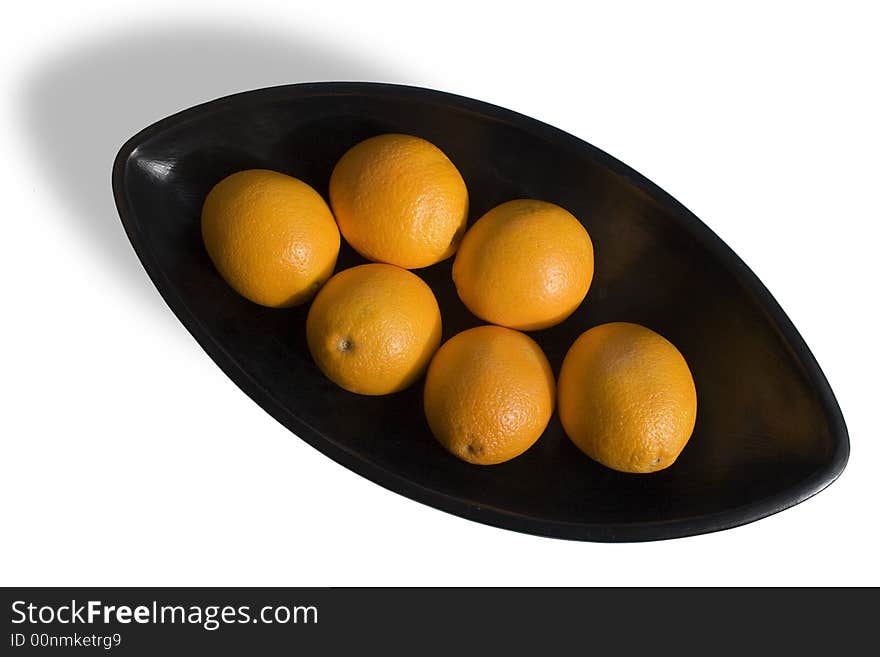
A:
x: 129, y: 458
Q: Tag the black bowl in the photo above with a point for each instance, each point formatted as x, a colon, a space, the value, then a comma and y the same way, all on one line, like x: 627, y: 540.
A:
x: 769, y: 432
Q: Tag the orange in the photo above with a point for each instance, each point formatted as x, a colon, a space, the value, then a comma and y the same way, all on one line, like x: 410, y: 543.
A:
x: 398, y: 199
x: 627, y: 398
x: 489, y: 394
x: 525, y: 264
x: 271, y: 237
x: 372, y: 329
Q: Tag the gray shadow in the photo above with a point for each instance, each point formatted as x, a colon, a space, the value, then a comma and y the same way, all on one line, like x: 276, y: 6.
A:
x: 79, y: 105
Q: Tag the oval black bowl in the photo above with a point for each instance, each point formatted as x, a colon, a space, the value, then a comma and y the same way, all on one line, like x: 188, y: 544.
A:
x: 769, y: 432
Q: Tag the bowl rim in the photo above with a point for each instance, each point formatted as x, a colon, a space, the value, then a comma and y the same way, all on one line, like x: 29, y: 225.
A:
x: 817, y: 481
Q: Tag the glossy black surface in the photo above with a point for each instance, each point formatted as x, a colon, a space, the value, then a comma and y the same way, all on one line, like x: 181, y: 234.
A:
x: 769, y: 432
